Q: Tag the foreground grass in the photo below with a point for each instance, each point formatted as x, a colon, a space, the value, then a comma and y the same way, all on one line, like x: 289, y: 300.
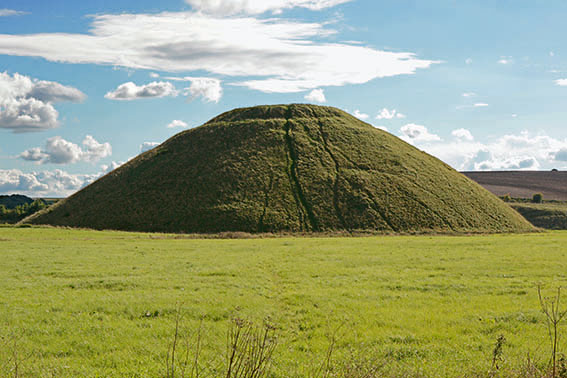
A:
x: 94, y: 304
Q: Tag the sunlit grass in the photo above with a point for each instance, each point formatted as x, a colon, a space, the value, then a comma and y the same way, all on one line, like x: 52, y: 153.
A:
x: 103, y: 303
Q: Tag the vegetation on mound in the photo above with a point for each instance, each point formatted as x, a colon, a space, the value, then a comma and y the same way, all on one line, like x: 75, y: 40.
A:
x: 298, y: 168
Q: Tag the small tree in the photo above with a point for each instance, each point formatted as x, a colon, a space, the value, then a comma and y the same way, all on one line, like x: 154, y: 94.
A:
x: 537, y: 198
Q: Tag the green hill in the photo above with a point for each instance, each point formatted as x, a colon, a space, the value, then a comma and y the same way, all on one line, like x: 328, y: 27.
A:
x: 285, y: 168
x: 15, y: 200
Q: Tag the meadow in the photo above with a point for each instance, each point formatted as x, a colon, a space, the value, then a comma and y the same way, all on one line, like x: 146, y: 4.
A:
x: 79, y: 303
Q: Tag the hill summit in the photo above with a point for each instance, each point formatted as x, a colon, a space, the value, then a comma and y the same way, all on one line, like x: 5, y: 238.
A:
x: 298, y: 168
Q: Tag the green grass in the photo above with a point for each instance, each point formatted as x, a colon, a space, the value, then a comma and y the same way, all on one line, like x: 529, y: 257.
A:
x: 285, y: 168
x: 549, y: 215
x: 78, y: 300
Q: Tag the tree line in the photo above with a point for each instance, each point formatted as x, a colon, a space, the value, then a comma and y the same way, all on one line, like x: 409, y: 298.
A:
x: 21, y: 211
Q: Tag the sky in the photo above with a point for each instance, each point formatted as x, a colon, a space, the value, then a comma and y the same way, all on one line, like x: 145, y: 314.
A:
x: 86, y: 86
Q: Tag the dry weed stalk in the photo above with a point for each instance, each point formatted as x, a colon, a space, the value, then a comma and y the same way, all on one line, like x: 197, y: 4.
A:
x: 249, y: 349
x: 554, y: 316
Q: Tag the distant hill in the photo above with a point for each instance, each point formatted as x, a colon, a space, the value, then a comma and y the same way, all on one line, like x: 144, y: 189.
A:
x: 14, y: 200
x: 524, y: 184
x: 298, y: 168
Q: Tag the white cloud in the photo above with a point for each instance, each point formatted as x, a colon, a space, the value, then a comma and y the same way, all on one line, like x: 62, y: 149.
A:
x: 94, y: 150
x: 154, y: 75
x: 177, y: 123
x: 49, y: 91
x: 360, y: 115
x: 561, y: 82
x: 282, y: 55
x: 16, y: 181
x: 384, y: 128
x: 34, y: 154
x: 413, y: 133
x: 561, y: 155
x: 11, y: 12
x: 26, y: 104
x: 389, y: 114
x: 507, y: 152
x: 208, y: 88
x: 469, y: 94
x: 316, y: 95
x: 107, y: 168
x: 146, y: 146
x: 130, y: 91
x: 55, y: 183
x: 480, y: 105
x: 60, y: 151
x: 462, y: 134
x: 232, y: 7
x: 504, y: 60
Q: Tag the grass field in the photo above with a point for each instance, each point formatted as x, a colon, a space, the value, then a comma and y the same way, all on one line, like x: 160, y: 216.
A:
x: 102, y: 304
x: 548, y: 215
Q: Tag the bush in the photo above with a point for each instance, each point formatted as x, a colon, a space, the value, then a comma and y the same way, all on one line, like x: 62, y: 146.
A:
x: 537, y: 198
x: 506, y: 198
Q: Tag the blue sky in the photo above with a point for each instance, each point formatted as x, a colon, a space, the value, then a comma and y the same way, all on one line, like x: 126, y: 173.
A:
x: 85, y: 86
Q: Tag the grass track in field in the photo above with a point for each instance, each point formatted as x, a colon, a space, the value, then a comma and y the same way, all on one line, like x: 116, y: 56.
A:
x: 78, y: 299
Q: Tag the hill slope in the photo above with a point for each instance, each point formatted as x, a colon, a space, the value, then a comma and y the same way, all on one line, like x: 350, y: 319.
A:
x: 284, y: 168
x: 15, y: 200
x: 524, y: 184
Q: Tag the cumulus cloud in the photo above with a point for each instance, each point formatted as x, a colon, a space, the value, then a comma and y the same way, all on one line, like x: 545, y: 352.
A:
x: 11, y: 12
x: 94, y: 150
x: 49, y: 91
x: 130, y: 91
x: 413, y: 133
x: 283, y: 56
x: 389, y: 114
x: 463, y: 134
x: 507, y: 152
x: 232, y: 7
x: 14, y: 180
x: 146, y: 146
x: 358, y: 114
x: 208, y: 88
x: 60, y: 151
x: 177, y: 123
x: 561, y: 82
x: 56, y: 183
x: 316, y: 95
x: 107, y: 168
x: 561, y: 155
x: 26, y: 104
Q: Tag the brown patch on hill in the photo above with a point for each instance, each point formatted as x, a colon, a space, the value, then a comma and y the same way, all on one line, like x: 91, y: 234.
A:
x: 523, y: 184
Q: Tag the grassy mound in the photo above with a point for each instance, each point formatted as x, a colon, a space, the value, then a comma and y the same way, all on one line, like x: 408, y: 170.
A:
x: 285, y: 168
